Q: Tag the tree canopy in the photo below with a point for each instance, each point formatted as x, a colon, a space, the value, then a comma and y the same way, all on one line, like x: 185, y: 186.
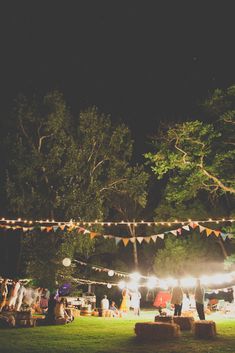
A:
x: 197, y: 156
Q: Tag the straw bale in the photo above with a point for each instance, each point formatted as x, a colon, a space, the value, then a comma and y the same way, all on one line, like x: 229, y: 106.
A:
x: 156, y: 330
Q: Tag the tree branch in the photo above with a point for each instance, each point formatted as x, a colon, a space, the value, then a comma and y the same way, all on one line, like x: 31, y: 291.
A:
x: 111, y: 186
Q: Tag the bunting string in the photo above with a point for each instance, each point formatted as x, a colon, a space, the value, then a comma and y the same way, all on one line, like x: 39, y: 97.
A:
x: 69, y: 227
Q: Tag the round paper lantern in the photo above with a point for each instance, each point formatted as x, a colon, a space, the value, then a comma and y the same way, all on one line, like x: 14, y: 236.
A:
x: 66, y: 262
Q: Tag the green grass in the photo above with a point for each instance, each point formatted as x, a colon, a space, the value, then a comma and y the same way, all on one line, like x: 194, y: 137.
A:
x: 106, y: 335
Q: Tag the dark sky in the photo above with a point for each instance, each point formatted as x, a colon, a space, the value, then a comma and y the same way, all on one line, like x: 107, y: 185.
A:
x: 140, y: 61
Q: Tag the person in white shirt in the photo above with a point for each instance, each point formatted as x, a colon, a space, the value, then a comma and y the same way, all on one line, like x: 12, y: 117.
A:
x: 13, y: 294
x: 105, y: 303
x: 105, y: 306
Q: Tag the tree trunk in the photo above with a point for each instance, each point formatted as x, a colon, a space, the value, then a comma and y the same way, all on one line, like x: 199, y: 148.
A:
x: 221, y: 244
x: 135, y: 253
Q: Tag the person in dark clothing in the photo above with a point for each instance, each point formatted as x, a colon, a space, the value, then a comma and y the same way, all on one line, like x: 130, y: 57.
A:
x: 199, y: 299
x: 50, y: 316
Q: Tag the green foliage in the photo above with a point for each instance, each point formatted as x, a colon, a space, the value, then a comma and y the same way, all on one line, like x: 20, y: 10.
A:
x: 229, y: 262
x: 65, y: 168
x: 195, y: 156
x: 187, y: 255
x: 43, y: 253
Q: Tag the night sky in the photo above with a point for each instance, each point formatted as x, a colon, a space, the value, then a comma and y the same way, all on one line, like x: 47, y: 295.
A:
x: 140, y: 61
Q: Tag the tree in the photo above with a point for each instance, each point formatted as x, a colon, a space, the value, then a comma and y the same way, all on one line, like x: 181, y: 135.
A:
x: 60, y: 167
x: 67, y: 168
x: 197, y: 156
x: 187, y: 255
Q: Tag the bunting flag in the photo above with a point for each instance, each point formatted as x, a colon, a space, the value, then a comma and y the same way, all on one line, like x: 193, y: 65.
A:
x: 125, y: 241
x: 133, y: 240
x: 217, y: 233
x: 193, y: 225
x: 208, y: 231
x: 140, y: 239
x: 179, y: 231
x: 224, y: 236
x: 154, y: 237
x: 117, y: 240
x: 201, y: 229
x: 69, y: 227
x: 93, y: 235
x: 186, y: 228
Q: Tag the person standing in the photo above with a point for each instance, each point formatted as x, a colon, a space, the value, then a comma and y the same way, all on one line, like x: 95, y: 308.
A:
x: 3, y: 292
x: 14, y: 293
x: 177, y: 299
x: 135, y: 302
x: 105, y: 306
x: 199, y: 299
x: 125, y: 304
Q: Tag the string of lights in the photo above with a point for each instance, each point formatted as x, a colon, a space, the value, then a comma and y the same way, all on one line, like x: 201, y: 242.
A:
x: 219, y: 281
x: 111, y: 223
x: 135, y: 279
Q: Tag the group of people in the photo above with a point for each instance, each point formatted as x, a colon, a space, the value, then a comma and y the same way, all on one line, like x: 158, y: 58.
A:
x: 177, y: 299
x: 14, y: 295
x: 130, y: 299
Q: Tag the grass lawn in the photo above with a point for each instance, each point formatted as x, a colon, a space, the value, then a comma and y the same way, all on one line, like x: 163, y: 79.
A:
x: 107, y: 335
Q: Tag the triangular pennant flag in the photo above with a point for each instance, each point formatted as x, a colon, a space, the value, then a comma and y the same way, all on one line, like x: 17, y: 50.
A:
x: 161, y: 235
x: 208, y: 231
x: 223, y: 235
x: 117, y: 240
x: 154, y: 237
x: 179, y: 231
x: 147, y: 239
x: 201, y: 229
x: 217, y: 233
x: 55, y: 228
x: 125, y: 241
x: 140, y: 239
x: 62, y: 227
x: 193, y: 225
x: 25, y: 229
x: 93, y: 235
x: 49, y: 229
x: 43, y: 228
x: 81, y: 230
x: 174, y: 232
x: 186, y: 228
x: 133, y: 239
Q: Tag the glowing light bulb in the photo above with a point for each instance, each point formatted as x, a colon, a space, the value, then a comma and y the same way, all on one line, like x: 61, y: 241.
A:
x: 66, y: 262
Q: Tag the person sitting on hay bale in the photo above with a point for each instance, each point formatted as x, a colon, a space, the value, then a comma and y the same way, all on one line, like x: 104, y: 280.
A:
x: 62, y: 315
x: 114, y: 310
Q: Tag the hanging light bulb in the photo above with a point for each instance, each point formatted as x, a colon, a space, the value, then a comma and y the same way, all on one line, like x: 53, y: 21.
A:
x: 110, y: 273
x: 66, y: 262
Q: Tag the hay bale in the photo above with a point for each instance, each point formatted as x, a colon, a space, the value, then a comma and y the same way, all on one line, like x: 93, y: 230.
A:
x: 95, y: 312
x: 160, y: 318
x: 156, y: 330
x: 204, y: 329
x: 75, y: 312
x: 85, y: 312
x: 185, y: 322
